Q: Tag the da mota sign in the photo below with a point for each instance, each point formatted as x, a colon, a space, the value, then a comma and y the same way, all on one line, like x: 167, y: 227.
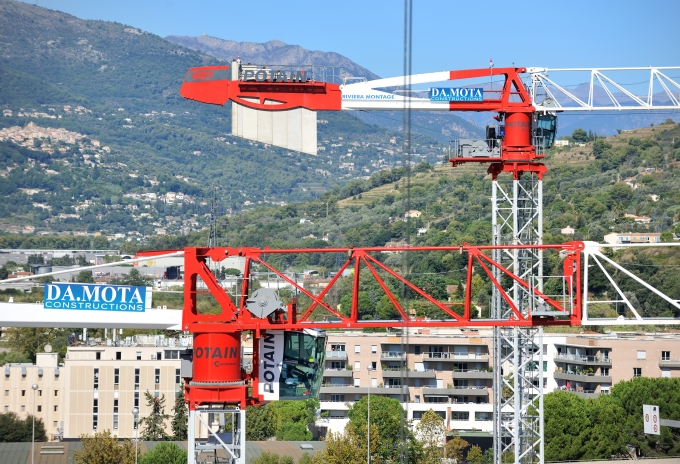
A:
x: 96, y: 297
x: 457, y: 94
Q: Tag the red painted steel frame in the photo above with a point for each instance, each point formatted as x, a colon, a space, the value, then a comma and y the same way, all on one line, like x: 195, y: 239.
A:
x: 235, y: 318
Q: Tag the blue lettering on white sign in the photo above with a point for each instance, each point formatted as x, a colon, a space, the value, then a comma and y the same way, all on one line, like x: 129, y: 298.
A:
x: 95, y: 297
x: 457, y: 94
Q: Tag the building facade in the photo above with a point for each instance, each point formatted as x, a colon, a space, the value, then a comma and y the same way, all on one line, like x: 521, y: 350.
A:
x: 449, y: 371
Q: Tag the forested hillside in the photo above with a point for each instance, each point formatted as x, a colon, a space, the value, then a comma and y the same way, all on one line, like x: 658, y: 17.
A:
x: 118, y: 87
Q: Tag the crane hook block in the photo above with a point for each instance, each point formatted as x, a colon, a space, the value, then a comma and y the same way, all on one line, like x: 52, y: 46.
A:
x: 264, y: 302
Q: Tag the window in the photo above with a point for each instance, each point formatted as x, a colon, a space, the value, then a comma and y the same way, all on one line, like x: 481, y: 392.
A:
x: 665, y: 355
x: 55, y: 424
x: 637, y: 372
x: 116, y: 376
x: 23, y: 408
x: 338, y: 365
x: 665, y: 372
x: 357, y: 349
x: 357, y: 382
x: 95, y: 406
x: 417, y: 349
x: 374, y: 365
x: 157, y: 376
x: 156, y: 394
x: 95, y: 419
x: 357, y: 365
x: 641, y: 354
x: 23, y: 392
x: 139, y: 356
x: 56, y: 407
x: 159, y: 355
x: 136, y: 400
x: 605, y: 371
x: 338, y: 398
x: 56, y: 392
x: 483, y: 416
x: 98, y: 355
x: 6, y: 392
x: 119, y: 355
x: 96, y: 379
x: 115, y: 413
x: 171, y: 354
x: 374, y: 349
x: 39, y: 392
x: 136, y: 379
x: 39, y: 408
x: 178, y: 379
x: 6, y: 408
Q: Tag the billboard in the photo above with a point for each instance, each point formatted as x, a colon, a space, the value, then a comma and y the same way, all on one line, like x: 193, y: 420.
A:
x: 456, y: 94
x: 270, y: 362
x: 96, y: 297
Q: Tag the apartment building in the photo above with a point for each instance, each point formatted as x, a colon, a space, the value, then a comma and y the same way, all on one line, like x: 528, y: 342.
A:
x: 46, y: 402
x: 451, y: 371
x: 448, y: 370
x: 95, y: 388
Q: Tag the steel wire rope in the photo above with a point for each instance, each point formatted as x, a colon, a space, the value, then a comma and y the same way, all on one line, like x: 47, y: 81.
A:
x: 406, y: 162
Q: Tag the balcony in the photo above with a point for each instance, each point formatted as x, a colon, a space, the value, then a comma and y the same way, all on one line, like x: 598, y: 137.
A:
x: 669, y: 362
x: 457, y: 391
x: 582, y: 377
x: 455, y: 357
x: 336, y: 355
x: 472, y: 374
x: 584, y: 360
x: 390, y: 390
x: 395, y: 372
x: 392, y: 356
x: 582, y: 393
x: 338, y: 373
x: 339, y: 389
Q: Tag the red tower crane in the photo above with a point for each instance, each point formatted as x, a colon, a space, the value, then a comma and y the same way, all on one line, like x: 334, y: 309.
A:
x: 526, y: 115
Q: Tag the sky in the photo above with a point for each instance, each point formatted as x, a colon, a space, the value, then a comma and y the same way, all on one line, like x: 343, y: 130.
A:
x: 446, y: 34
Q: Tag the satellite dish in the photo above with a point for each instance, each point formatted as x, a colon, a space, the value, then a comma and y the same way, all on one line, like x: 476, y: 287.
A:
x: 48, y: 348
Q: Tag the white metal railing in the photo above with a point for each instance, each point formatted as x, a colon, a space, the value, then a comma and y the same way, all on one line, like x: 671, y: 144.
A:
x: 452, y: 355
x: 392, y: 354
x: 336, y: 354
x: 579, y: 358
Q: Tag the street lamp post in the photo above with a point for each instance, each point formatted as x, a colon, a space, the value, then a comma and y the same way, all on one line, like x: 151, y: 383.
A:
x: 368, y: 421
x: 135, y: 413
x: 34, y: 387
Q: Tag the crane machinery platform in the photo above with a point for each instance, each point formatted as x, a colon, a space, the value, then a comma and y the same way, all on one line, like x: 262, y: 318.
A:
x: 277, y: 105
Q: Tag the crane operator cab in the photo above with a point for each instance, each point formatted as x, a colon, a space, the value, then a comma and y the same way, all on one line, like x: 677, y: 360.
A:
x: 545, y: 128
x: 304, y: 357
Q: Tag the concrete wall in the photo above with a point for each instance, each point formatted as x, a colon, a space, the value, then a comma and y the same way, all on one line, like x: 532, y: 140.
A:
x: 291, y: 129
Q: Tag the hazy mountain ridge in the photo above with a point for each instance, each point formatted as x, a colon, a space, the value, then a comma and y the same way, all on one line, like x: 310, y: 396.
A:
x: 271, y: 52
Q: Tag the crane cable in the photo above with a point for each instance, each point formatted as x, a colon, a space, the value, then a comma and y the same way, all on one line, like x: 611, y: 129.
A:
x: 406, y: 162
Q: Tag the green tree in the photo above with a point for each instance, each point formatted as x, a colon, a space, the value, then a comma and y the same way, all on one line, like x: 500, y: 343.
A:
x: 15, y: 429
x: 567, y: 426
x: 261, y: 422
x: 454, y: 448
x: 154, y: 423
x: 388, y: 415
x: 475, y: 455
x: 29, y: 340
x: 351, y: 447
x: 431, y: 432
x: 579, y: 135
x: 102, y: 448
x: 164, y: 453
x: 293, y: 431
x: 84, y: 277
x: 135, y: 278
x: 180, y: 418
